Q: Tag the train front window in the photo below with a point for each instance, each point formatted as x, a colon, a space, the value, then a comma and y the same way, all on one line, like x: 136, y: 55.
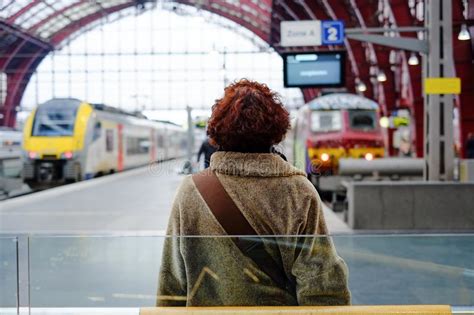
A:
x: 54, y: 121
x: 324, y: 121
x: 365, y: 120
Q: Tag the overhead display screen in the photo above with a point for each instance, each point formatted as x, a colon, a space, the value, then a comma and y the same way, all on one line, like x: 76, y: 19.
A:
x: 316, y: 69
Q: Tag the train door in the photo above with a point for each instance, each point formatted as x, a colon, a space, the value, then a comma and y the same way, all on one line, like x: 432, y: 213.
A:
x: 153, y: 145
x: 120, y: 147
x: 166, y: 143
x: 160, y: 143
x: 94, y: 153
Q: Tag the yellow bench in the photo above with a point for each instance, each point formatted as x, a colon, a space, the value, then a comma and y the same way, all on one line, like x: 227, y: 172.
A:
x: 301, y: 310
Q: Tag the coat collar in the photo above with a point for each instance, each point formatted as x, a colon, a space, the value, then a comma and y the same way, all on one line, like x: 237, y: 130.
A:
x: 252, y: 164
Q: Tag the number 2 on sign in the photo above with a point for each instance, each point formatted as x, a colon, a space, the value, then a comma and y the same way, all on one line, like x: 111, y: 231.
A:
x: 332, y: 34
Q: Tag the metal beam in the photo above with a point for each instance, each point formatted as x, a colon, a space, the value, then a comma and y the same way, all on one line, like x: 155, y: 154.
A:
x: 402, y: 29
x: 404, y: 43
x: 25, y: 36
x: 438, y: 108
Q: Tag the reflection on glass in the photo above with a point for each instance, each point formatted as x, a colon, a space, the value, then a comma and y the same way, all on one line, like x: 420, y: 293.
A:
x: 214, y: 271
x: 123, y: 271
x: 8, y: 274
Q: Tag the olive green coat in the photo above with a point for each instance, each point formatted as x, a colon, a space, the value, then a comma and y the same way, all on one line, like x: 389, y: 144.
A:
x: 276, y: 199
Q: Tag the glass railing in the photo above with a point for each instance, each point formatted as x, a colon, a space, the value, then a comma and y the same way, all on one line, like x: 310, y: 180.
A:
x: 8, y: 275
x: 121, y: 274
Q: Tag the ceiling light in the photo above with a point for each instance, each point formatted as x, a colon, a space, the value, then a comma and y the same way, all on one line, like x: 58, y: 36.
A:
x: 381, y: 77
x: 361, y: 87
x: 464, y: 33
x: 413, y: 60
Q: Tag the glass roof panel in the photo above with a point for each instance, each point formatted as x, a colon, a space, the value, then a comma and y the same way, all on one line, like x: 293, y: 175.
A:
x: 60, y: 4
x: 30, y: 13
x: 53, y: 26
x: 10, y: 7
x: 111, y: 3
x: 70, y: 12
x: 52, y: 15
x: 38, y: 17
x: 78, y: 14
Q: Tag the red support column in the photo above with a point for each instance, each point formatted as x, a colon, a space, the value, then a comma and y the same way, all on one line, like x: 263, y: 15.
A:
x: 403, y: 17
x: 16, y: 84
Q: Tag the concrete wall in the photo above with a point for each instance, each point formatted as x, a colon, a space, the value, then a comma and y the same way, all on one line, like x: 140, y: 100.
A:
x: 467, y: 171
x: 411, y: 206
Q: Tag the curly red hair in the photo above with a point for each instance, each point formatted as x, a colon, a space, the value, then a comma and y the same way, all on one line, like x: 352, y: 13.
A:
x: 248, y: 118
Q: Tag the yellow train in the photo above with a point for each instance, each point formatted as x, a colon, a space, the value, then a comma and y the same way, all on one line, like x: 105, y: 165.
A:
x: 68, y: 140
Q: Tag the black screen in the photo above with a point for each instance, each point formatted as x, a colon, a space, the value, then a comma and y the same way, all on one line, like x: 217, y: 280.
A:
x: 318, y: 69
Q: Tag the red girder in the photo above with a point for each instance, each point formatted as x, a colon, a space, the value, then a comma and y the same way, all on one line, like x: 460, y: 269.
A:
x: 463, y: 52
x: 263, y: 18
x: 23, y: 10
x: 357, y: 48
x: 55, y: 14
x: 8, y: 56
x: 401, y: 11
x: 17, y: 83
x: 23, y: 39
x: 364, y: 12
x: 298, y: 13
x: 16, y: 78
x: 384, y: 92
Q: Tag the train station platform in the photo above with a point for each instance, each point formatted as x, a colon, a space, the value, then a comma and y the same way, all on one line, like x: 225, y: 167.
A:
x: 136, y: 201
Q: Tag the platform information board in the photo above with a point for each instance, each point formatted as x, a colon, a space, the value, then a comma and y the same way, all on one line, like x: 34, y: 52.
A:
x: 332, y: 32
x: 316, y: 69
x: 311, y: 33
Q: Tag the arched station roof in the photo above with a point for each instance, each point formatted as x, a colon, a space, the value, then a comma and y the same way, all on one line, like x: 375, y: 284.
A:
x: 29, y: 30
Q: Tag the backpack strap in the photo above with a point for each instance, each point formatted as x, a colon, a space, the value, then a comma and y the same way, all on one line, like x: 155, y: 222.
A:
x: 234, y: 223
x: 221, y: 205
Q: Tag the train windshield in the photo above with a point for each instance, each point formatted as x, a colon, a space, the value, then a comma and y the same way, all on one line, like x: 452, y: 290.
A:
x: 55, y: 120
x: 324, y: 121
x: 365, y: 120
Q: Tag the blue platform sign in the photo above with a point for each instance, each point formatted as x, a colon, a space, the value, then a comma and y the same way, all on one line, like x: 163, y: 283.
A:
x: 333, y: 32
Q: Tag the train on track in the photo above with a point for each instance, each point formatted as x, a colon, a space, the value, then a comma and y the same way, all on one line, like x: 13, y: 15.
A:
x: 68, y: 140
x: 333, y: 127
x: 10, y: 140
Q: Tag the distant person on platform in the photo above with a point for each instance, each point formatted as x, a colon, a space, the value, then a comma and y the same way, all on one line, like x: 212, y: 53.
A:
x: 207, y: 149
x: 470, y: 146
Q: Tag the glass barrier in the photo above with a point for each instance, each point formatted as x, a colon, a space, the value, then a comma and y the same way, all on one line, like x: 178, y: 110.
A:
x: 8, y: 275
x: 125, y: 271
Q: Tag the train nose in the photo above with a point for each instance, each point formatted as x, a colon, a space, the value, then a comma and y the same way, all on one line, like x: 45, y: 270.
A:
x: 369, y: 156
x: 45, y: 172
x: 325, y: 157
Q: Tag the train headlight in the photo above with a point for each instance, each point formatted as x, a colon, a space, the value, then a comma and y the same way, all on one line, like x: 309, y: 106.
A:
x: 32, y: 155
x: 369, y: 156
x: 67, y: 155
x: 384, y: 122
x: 325, y: 157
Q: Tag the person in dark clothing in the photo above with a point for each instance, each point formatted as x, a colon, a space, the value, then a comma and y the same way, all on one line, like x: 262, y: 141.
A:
x: 470, y: 146
x: 207, y: 149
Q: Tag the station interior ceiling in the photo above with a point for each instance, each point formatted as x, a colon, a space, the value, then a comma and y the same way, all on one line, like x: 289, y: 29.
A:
x: 30, y: 30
